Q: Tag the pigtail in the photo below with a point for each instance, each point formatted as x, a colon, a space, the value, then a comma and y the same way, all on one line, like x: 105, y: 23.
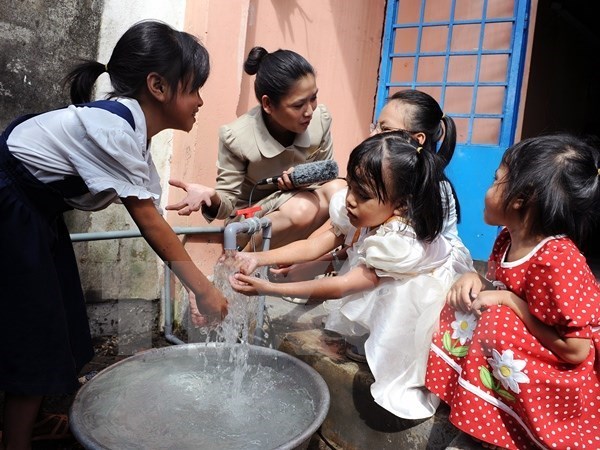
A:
x: 82, y: 79
x: 425, y: 203
x: 446, y: 150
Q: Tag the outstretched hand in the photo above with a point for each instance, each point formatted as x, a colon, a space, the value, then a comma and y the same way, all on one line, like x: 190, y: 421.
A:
x: 249, y: 285
x: 197, y: 196
x: 213, y: 312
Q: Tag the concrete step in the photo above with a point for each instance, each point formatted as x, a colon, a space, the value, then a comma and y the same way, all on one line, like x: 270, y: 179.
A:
x: 354, y: 421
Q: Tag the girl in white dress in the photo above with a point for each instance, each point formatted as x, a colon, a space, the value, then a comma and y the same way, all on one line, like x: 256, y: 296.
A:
x: 399, y: 266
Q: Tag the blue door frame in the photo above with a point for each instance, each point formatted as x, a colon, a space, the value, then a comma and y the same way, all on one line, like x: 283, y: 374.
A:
x: 473, y: 165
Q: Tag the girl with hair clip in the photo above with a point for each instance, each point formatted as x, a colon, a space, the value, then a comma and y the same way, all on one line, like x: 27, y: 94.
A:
x: 85, y: 156
x: 519, y: 365
x: 398, y: 271
x: 420, y: 114
x: 287, y: 128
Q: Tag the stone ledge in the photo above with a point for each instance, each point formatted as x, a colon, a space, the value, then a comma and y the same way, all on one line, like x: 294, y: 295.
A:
x: 354, y: 420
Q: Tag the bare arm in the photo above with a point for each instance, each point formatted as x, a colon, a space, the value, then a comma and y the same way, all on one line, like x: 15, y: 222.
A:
x: 358, y: 279
x: 295, y: 252
x: 163, y: 240
x: 570, y: 350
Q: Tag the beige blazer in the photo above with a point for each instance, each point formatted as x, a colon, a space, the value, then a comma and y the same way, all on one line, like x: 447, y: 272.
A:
x: 248, y: 154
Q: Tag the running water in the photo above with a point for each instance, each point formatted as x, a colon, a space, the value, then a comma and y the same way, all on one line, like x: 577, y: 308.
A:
x: 239, y: 325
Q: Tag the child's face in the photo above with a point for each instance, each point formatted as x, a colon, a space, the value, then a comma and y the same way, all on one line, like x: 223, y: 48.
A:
x: 494, y: 212
x: 391, y: 118
x: 295, y: 110
x: 182, y: 109
x: 364, y: 209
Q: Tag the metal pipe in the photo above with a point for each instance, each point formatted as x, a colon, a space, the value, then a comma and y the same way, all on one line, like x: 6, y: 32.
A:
x: 169, y: 336
x: 121, y: 234
x: 249, y: 226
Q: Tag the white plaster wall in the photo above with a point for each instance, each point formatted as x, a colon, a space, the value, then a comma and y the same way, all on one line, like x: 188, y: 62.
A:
x: 125, y: 268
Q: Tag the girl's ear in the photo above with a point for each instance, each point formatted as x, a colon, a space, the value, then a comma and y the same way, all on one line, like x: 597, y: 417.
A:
x: 420, y: 137
x: 157, y: 87
x: 518, y: 204
x: 266, y: 104
x: 400, y: 211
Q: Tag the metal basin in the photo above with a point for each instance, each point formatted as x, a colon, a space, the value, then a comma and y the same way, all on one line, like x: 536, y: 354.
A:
x: 194, y: 396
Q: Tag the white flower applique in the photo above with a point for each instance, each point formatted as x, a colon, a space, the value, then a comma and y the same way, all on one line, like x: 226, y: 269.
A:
x: 507, y: 370
x: 463, y: 326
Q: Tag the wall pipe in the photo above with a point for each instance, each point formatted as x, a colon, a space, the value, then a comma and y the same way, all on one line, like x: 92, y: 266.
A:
x: 248, y: 226
x: 105, y: 235
x: 121, y: 234
x: 251, y: 225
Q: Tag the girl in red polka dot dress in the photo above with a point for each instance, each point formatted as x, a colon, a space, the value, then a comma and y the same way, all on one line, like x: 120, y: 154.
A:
x: 519, y: 365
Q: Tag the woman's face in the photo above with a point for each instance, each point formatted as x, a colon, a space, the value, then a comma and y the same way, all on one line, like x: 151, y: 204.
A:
x: 295, y: 110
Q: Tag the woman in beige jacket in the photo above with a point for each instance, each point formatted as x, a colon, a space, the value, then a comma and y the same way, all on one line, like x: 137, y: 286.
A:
x: 287, y: 128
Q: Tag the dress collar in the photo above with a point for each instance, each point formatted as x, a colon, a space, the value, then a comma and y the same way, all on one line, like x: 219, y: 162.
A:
x: 267, y: 144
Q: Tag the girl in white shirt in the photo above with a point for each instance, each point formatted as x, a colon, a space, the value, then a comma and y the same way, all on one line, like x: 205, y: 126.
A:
x: 398, y: 271
x: 86, y: 156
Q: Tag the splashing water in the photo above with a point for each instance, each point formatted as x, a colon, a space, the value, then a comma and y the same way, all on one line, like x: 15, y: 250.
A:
x: 240, y: 323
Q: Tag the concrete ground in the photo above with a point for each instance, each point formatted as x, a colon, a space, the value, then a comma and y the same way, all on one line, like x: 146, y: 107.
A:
x: 354, y: 421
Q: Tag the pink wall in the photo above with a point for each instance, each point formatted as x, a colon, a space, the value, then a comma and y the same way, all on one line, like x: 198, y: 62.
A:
x: 341, y: 39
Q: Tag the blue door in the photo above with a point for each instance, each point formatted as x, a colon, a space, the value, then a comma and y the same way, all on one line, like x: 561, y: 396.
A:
x: 468, y: 55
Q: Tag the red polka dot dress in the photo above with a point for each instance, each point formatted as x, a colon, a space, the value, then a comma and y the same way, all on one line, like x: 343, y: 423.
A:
x: 503, y: 386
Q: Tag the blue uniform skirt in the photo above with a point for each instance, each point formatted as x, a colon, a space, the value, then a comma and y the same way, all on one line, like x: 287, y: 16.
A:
x: 44, y: 332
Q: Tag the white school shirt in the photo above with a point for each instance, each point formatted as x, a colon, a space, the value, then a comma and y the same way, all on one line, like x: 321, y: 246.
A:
x: 113, y: 160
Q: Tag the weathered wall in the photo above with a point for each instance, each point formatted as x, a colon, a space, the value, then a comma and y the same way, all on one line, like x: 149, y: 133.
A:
x: 39, y: 43
x: 39, y: 40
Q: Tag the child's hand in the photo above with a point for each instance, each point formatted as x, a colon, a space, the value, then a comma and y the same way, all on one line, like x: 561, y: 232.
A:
x: 486, y: 299
x: 197, y: 195
x: 246, y: 262
x: 299, y: 272
x: 464, y: 291
x: 249, y: 285
x: 209, y: 316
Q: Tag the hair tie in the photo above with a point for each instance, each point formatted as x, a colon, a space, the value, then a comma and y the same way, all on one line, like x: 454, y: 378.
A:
x: 106, y: 67
x: 598, y: 171
x: 421, y: 148
x: 443, y: 116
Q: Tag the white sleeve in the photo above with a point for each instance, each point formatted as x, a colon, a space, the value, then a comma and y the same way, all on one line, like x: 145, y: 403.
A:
x: 113, y: 158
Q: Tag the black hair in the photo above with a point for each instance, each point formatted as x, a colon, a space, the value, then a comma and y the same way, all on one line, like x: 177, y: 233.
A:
x: 393, y: 167
x: 276, y: 72
x: 426, y: 116
x: 148, y: 46
x: 556, y: 177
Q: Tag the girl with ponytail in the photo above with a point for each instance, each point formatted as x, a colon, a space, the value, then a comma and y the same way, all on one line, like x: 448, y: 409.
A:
x: 86, y: 156
x: 391, y: 289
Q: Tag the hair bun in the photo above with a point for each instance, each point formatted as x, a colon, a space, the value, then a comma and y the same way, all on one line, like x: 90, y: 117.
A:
x: 254, y: 59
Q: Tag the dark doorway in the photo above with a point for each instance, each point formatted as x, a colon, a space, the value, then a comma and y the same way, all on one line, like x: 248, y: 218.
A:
x: 563, y: 92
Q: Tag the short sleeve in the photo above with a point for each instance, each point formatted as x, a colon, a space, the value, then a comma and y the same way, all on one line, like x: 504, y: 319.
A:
x: 116, y: 157
x: 339, y: 216
x: 562, y: 291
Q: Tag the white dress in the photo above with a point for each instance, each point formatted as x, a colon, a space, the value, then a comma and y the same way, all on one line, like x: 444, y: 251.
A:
x: 400, y: 314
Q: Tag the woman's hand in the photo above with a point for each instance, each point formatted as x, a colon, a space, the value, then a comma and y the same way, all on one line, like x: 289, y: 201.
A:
x: 464, y: 291
x: 197, y: 196
x: 284, y: 182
